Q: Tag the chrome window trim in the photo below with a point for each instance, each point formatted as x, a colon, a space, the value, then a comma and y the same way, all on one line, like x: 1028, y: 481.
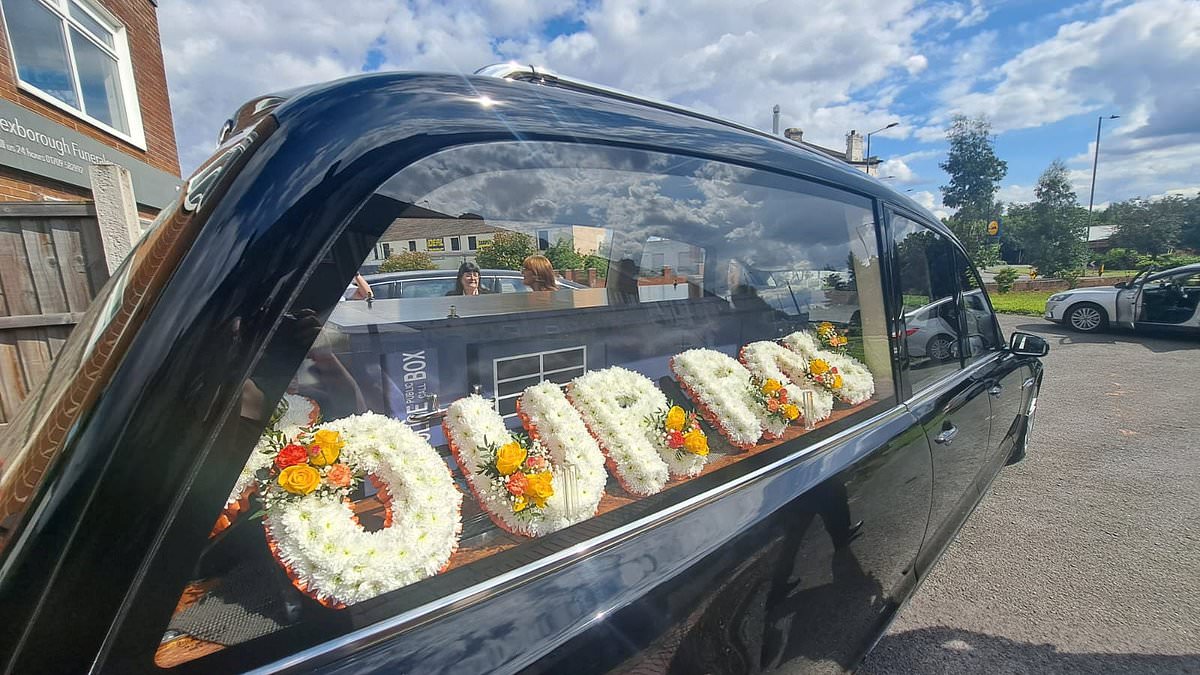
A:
x: 480, y: 591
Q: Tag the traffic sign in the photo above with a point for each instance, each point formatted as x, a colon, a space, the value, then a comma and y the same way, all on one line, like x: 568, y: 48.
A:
x: 994, y: 228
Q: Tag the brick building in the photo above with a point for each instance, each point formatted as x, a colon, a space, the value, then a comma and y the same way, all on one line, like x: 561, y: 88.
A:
x: 83, y: 82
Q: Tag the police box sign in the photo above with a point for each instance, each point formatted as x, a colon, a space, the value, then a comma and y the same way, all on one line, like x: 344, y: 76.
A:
x: 32, y: 143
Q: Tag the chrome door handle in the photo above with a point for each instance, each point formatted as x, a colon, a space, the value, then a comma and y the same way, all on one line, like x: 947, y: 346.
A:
x: 946, y: 436
x: 996, y: 389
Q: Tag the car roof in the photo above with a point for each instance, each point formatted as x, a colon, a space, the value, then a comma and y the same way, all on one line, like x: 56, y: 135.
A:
x: 424, y: 274
x: 450, y: 109
x: 1184, y: 269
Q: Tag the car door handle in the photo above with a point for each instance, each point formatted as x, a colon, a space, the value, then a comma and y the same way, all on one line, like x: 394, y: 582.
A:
x: 996, y: 389
x: 946, y: 436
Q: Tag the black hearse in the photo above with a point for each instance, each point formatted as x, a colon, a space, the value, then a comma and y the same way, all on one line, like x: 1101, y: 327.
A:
x: 123, y: 550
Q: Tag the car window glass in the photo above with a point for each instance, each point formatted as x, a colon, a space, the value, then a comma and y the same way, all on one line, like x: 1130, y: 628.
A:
x: 426, y: 444
x: 426, y: 288
x: 509, y: 285
x: 982, y: 335
x: 925, y: 266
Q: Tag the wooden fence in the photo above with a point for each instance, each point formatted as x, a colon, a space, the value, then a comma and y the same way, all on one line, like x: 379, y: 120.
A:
x: 51, y: 265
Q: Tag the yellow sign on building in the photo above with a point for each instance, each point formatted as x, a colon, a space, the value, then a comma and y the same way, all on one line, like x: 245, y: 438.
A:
x: 994, y: 228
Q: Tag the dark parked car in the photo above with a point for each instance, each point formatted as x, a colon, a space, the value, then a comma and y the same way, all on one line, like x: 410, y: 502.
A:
x: 230, y: 469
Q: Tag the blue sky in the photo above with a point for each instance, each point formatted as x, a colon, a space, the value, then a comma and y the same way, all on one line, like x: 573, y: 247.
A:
x: 1041, y: 71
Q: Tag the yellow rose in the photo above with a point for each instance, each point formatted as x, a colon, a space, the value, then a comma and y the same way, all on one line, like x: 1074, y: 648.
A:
x: 519, y: 504
x: 837, y: 381
x: 791, y: 411
x: 540, y: 488
x: 825, y: 327
x: 696, y: 442
x: 509, y: 458
x: 818, y: 367
x: 326, y: 448
x: 299, y: 479
x: 771, y: 386
x: 676, y: 418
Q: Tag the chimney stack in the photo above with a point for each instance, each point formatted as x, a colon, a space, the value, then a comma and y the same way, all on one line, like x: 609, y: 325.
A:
x: 854, y: 147
x: 794, y: 133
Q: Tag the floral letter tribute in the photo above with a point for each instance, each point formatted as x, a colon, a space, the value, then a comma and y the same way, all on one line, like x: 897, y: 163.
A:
x: 514, y: 479
x: 577, y: 460
x: 313, y: 531
x: 845, y: 376
x: 768, y: 360
x: 632, y: 420
x: 725, y: 394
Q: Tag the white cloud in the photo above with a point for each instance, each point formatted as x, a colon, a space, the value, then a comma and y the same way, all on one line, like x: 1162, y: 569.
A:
x: 898, y: 168
x: 1018, y: 194
x: 734, y: 59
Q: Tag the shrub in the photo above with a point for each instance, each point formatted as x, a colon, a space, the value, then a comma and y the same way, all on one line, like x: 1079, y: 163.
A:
x: 506, y: 251
x: 1005, y: 279
x: 1167, y: 261
x: 1120, y: 259
x: 407, y: 261
x: 1069, y: 275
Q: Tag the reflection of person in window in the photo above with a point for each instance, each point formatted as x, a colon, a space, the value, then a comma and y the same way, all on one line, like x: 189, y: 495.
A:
x: 538, y: 273
x: 362, y: 290
x: 622, y: 285
x: 469, y: 281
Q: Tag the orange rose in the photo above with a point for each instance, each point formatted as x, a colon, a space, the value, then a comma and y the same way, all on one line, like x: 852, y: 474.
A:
x: 339, y: 475
x: 509, y: 458
x: 299, y: 479
x: 540, y: 488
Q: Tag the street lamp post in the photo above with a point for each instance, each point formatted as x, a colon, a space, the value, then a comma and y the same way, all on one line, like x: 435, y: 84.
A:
x: 1096, y: 161
x: 893, y: 124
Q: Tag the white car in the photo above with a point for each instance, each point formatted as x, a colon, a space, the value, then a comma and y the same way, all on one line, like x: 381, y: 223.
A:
x: 1163, y: 300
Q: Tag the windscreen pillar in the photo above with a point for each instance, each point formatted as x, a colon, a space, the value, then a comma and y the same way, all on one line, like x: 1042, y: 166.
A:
x: 116, y: 211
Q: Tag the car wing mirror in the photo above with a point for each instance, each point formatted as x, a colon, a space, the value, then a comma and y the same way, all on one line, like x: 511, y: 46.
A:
x: 1027, y: 344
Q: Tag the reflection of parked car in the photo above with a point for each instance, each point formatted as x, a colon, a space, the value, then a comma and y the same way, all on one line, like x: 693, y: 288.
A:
x: 436, y: 283
x: 1164, y: 300
x: 933, y: 329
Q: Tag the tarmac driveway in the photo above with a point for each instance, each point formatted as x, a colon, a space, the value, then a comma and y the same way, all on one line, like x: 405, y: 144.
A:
x: 1085, y: 558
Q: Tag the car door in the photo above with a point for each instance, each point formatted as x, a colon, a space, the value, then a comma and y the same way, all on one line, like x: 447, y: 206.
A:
x: 1129, y: 300
x: 951, y: 402
x: 1006, y: 381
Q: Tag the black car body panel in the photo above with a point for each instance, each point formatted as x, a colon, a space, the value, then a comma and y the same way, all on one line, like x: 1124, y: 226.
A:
x: 731, y: 577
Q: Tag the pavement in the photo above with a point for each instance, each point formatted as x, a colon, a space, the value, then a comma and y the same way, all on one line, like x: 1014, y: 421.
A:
x: 1084, y: 558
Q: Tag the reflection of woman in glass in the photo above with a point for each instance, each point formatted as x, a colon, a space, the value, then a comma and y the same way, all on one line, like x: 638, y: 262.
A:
x: 469, y: 281
x: 538, y: 273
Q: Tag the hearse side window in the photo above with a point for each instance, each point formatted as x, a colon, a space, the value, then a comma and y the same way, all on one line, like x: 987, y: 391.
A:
x: 711, y: 319
x: 926, y: 268
x: 981, y: 334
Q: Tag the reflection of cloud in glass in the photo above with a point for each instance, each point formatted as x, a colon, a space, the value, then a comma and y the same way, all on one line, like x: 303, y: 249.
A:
x: 762, y: 219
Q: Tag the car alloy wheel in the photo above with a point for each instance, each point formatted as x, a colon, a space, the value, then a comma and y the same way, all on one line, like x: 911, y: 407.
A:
x: 942, y: 348
x: 1085, y: 318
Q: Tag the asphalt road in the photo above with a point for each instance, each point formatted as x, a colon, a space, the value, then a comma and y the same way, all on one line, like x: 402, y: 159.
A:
x: 1085, y: 558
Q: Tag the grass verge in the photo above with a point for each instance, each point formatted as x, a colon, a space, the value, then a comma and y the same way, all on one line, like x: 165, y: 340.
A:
x: 1029, y: 303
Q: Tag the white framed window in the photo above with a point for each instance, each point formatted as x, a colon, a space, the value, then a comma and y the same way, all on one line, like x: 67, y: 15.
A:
x: 74, y: 55
x: 512, y: 375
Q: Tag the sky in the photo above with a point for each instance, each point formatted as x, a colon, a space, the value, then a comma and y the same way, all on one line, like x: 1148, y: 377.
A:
x: 1042, y: 72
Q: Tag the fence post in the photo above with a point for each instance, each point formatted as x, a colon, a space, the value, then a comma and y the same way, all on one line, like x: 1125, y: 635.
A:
x: 116, y: 211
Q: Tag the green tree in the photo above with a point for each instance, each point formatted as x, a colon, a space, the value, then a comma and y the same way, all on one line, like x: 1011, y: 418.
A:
x: 1189, y: 231
x: 1152, y: 228
x: 406, y: 261
x: 506, y: 251
x: 975, y: 174
x: 1050, y: 231
x: 563, y: 256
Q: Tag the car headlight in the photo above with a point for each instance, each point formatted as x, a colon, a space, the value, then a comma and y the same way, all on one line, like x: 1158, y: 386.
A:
x: 1058, y: 297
